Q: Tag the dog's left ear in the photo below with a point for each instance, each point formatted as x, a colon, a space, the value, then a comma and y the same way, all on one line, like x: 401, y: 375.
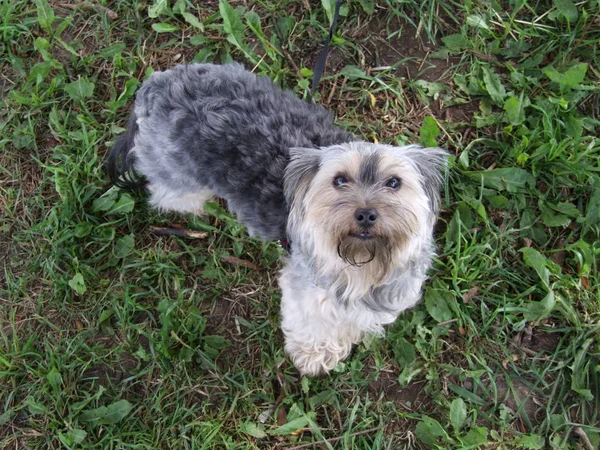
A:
x: 302, y: 168
x: 431, y: 164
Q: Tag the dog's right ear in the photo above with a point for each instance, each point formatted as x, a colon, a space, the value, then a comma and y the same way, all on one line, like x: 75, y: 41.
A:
x: 302, y: 168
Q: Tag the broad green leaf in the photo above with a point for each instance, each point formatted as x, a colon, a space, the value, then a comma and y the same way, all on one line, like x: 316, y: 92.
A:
x: 514, y: 108
x: 477, y: 22
x: 55, y: 379
x: 82, y: 229
x: 124, y: 246
x: 291, y: 427
x: 456, y: 42
x: 368, y: 6
x: 80, y: 89
x: 42, y: 45
x: 571, y: 78
x: 557, y: 421
x: 75, y: 436
x: 473, y: 398
x: 585, y: 393
x: 566, y: 208
x: 592, y: 212
x: 217, y: 211
x: 429, y: 431
x: 305, y: 72
x: 106, y: 415
x: 45, y: 14
x: 530, y: 441
x: 253, y: 429
x: 493, y: 85
x: 286, y: 24
x: 475, y: 437
x: 231, y: 21
x: 329, y: 7
x: 408, y: 373
x: 111, y: 51
x: 322, y: 398
x: 36, y: 407
x: 123, y: 206
x: 537, y: 262
x: 568, y: 9
x: 552, y: 218
x: 253, y: 21
x: 159, y: 7
x: 199, y: 40
x: 437, y: 305
x: 233, y: 26
x: 104, y: 316
x: 216, y: 341
x: 429, y: 132
x: 505, y: 179
x: 305, y: 384
x: 404, y: 352
x: 193, y: 20
x: 431, y: 89
x: 458, y: 413
x: 542, y: 309
x: 179, y: 6
x: 77, y: 283
x: 164, y: 27
x: 353, y: 72
x: 105, y: 202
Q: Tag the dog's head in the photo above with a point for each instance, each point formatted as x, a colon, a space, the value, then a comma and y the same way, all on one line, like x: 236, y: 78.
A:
x: 362, y: 204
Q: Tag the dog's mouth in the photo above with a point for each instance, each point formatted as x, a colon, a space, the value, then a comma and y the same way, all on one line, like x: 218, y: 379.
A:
x: 362, y: 235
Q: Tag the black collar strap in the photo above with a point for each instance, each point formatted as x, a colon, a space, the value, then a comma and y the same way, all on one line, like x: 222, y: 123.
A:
x: 320, y: 64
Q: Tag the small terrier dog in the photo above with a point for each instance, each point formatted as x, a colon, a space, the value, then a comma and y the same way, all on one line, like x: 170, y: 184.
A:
x: 358, y: 216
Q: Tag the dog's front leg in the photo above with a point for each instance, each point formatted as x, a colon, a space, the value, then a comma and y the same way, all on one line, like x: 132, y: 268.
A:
x: 317, y: 334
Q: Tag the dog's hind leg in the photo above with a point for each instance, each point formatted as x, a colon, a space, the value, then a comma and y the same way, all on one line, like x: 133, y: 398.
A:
x: 164, y: 199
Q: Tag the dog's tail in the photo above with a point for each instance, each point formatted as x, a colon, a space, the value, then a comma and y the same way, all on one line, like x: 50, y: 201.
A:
x: 120, y: 162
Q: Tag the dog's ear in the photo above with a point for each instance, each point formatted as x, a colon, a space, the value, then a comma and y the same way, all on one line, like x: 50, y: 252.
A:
x: 302, y: 168
x: 431, y: 164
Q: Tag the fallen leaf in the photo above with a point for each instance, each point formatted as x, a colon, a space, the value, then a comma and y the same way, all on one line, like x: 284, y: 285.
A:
x: 281, y: 416
x: 240, y: 262
x: 585, y: 282
x: 468, y: 296
x: 513, y: 358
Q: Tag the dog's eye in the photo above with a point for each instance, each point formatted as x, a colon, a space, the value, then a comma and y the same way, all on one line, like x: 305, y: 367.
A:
x: 340, y: 180
x: 393, y: 183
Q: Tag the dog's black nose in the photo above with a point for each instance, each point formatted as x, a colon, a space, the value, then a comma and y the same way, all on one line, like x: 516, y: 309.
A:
x: 365, y: 217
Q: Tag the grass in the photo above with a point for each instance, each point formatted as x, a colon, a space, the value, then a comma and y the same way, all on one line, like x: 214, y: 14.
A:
x: 113, y: 337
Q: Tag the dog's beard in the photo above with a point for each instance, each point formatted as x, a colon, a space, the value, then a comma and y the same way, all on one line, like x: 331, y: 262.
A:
x: 376, y: 252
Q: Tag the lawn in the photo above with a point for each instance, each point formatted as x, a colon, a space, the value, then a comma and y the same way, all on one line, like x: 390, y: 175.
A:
x: 115, y: 336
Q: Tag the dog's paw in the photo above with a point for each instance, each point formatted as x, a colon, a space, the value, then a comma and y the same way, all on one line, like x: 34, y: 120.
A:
x: 314, y: 359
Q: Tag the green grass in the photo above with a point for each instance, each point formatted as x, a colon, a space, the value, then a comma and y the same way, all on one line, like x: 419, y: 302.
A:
x: 113, y: 337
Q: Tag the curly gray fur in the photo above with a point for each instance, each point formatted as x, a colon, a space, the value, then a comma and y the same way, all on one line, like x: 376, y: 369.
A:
x: 223, y: 128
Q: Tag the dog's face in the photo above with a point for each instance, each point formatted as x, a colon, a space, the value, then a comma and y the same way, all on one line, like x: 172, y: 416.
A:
x: 362, y: 204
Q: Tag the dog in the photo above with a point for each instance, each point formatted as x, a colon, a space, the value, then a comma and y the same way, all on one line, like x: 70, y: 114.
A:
x: 358, y: 216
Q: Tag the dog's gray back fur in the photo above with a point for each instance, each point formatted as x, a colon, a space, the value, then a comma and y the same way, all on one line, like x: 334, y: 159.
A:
x: 220, y: 127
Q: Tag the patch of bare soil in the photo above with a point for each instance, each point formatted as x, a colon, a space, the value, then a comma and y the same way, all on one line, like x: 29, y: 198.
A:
x: 225, y: 315
x: 410, y: 53
x: 410, y: 398
x: 532, y: 341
